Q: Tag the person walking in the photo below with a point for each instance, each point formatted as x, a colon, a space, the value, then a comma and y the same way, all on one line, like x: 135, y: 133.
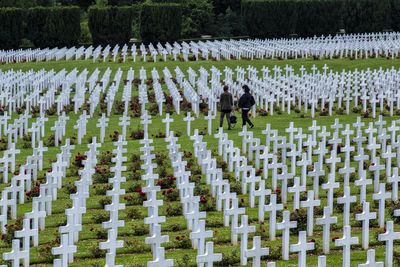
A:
x: 246, y: 101
x: 226, y: 104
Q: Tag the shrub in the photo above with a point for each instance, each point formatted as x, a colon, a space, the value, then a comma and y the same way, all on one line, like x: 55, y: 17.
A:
x: 110, y: 25
x: 160, y: 22
x: 11, y: 27
x: 55, y: 26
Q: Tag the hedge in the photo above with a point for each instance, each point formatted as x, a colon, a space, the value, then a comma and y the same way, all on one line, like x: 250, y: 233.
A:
x: 110, y: 25
x: 11, y: 27
x: 220, y: 6
x: 269, y: 18
x: 277, y: 18
x: 51, y: 27
x: 160, y: 22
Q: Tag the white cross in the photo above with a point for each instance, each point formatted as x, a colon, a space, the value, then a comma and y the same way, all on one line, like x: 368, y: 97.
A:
x: 285, y: 226
x: 371, y: 262
x: 167, y: 122
x: 365, y: 217
x: 257, y: 251
x: 209, y: 257
x: 244, y: 229
x: 64, y: 250
x: 188, y: 119
x: 389, y: 236
x: 346, y: 241
x: 302, y: 247
x: 160, y: 260
x: 16, y: 255
x: 310, y: 203
x: 326, y: 222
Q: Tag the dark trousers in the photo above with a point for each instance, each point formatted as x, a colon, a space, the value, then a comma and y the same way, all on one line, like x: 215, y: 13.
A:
x: 228, y: 117
x: 245, y: 117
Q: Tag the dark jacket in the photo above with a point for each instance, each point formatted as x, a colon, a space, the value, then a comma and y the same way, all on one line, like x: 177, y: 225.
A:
x: 246, y: 101
x: 226, y: 102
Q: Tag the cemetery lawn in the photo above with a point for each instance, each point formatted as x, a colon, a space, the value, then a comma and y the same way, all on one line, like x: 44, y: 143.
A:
x: 135, y: 252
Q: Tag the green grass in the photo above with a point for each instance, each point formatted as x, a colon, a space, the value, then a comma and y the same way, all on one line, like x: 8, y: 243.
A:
x: 135, y: 252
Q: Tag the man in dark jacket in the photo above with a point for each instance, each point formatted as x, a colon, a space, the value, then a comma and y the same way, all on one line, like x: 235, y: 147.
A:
x: 226, y: 103
x: 246, y: 101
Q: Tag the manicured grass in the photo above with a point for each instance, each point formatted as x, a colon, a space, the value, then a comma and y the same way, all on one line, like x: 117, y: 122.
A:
x: 135, y: 252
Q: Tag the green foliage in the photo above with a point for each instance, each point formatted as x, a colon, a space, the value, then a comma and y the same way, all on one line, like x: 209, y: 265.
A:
x: 319, y: 17
x: 197, y: 18
x: 110, y: 25
x: 56, y: 26
x: 276, y: 18
x: 221, y: 6
x: 11, y: 27
x: 160, y: 22
x: 367, y: 15
x: 269, y: 18
x: 25, y: 3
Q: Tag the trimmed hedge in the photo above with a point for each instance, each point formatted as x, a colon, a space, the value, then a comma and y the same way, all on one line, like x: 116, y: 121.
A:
x: 11, y: 27
x: 270, y: 18
x: 277, y: 18
x: 220, y: 6
x: 110, y: 25
x: 56, y: 26
x: 160, y: 22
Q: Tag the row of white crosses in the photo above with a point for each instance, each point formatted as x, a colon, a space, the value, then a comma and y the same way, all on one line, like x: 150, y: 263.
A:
x: 154, y: 220
x: 228, y: 202
x: 191, y: 207
x: 275, y: 143
x: 41, y: 207
x: 112, y: 243
x: 351, y: 45
x: 70, y: 232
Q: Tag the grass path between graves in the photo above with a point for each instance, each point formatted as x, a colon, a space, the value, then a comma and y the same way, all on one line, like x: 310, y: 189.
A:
x: 135, y: 252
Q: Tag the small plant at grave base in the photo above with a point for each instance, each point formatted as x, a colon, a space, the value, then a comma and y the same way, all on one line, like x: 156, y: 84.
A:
x: 160, y: 135
x: 70, y: 188
x: 167, y: 182
x: 185, y: 261
x: 100, y: 217
x: 171, y: 194
x: 114, y: 136
x: 96, y: 252
x: 78, y: 162
x: 134, y: 213
x: 395, y: 206
x: 104, y: 201
x: 262, y: 112
x: 34, y: 192
x: 27, y: 137
x: 396, y: 257
x: 160, y: 158
x: 182, y: 242
x: 365, y: 114
x: 229, y: 259
x: 176, y: 227
x: 102, y: 174
x: 135, y: 198
x: 275, y: 253
x: 207, y: 204
x: 3, y: 144
x: 11, y: 229
x: 105, y: 158
x: 50, y: 142
x: 101, y: 189
x: 135, y: 187
x: 356, y: 109
x: 300, y: 216
x: 140, y: 230
x: 201, y: 190
x: 323, y: 112
x: 44, y: 250
x: 222, y: 164
x: 173, y: 209
x: 195, y: 179
x: 137, y: 246
x: 119, y: 107
x: 100, y: 233
x: 236, y: 187
x: 52, y: 110
x: 137, y: 134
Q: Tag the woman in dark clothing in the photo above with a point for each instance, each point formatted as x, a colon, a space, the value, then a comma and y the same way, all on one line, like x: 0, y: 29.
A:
x: 246, y: 101
x: 226, y: 103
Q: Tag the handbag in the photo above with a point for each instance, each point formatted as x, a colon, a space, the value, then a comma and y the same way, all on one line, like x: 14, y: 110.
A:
x: 233, y: 118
